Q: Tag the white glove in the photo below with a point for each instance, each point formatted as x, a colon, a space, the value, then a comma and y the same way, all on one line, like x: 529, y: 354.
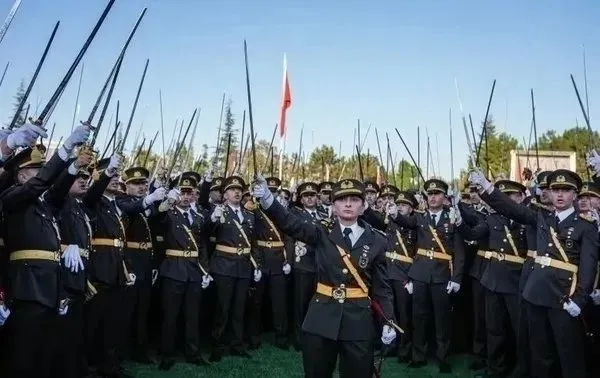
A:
x: 173, y: 195
x: 596, y: 297
x: 392, y: 210
x: 409, y: 287
x: 154, y: 276
x: 572, y: 308
x: 286, y: 269
x: 208, y: 176
x: 257, y: 275
x: 453, y: 287
x: 283, y: 202
x: 216, y: 214
x: 25, y: 136
x: 62, y: 310
x: 79, y: 136
x: 131, y: 280
x: 72, y: 258
x: 156, y: 196
x: 205, y: 281
x: 114, y: 165
x: 593, y: 161
x: 457, y: 216
x: 4, y: 314
x: 388, y: 335
x: 476, y: 177
x: 261, y: 190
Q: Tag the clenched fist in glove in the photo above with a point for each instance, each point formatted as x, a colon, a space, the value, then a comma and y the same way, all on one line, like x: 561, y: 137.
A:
x: 388, y: 335
x: 257, y: 275
x: 593, y: 161
x: 286, y: 269
x: 453, y: 287
x: 596, y: 297
x: 25, y: 136
x: 114, y: 165
x: 205, y: 281
x: 156, y: 196
x: 217, y: 213
x: 4, y: 314
x: 476, y: 177
x: 79, y: 136
x: 572, y: 308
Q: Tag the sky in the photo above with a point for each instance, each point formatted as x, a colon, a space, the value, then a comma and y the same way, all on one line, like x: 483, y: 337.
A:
x: 391, y: 64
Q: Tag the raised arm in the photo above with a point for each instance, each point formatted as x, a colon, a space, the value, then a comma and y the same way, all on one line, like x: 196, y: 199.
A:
x: 509, y: 208
x: 375, y: 219
x: 478, y: 232
x: 290, y: 223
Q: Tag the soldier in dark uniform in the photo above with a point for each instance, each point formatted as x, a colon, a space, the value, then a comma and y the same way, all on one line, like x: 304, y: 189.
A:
x: 325, y: 189
x: 400, y: 255
x: 108, y: 272
x: 138, y: 254
x: 436, y: 273
x: 232, y: 266
x: 562, y: 277
x: 183, y: 272
x: 371, y: 192
x: 270, y: 251
x: 32, y: 239
x: 504, y: 247
x: 75, y: 230
x: 216, y: 196
x: 304, y: 267
x: 351, y: 269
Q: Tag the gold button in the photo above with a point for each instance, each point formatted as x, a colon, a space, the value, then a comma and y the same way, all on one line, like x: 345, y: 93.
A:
x: 345, y: 271
x: 342, y: 286
x: 501, y: 249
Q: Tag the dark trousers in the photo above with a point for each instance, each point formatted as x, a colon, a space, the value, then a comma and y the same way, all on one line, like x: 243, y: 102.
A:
x: 479, y: 327
x: 174, y: 295
x: 103, y: 326
x: 551, y: 328
x: 502, y: 323
x: 425, y: 295
x: 231, y: 301
x: 72, y: 360
x: 305, y: 284
x: 319, y: 357
x: 403, y: 310
x: 523, y: 368
x: 278, y: 298
x: 31, y: 337
x: 136, y: 308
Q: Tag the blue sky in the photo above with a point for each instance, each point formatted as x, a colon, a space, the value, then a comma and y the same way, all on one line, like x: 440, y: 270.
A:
x: 389, y: 63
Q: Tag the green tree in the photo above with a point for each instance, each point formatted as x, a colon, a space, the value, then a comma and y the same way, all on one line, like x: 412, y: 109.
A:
x: 18, y: 97
x: 494, y: 156
x: 406, y: 175
x: 576, y: 139
x: 228, y: 130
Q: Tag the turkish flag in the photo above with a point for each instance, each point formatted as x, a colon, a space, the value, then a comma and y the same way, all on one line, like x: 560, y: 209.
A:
x: 286, y: 99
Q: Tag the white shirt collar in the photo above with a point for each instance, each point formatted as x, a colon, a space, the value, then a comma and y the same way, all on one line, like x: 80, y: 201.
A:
x: 355, y: 228
x: 235, y: 208
x: 562, y: 215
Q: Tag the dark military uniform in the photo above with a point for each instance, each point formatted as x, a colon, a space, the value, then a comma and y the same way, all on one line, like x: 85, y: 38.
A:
x: 75, y: 229
x: 440, y: 258
x: 339, y: 319
x: 181, y: 275
x: 504, y: 246
x: 303, y: 264
x: 400, y: 256
x: 138, y: 255
x: 32, y: 240
x: 107, y: 272
x: 496, y: 201
x: 231, y: 268
x: 564, y: 271
x: 269, y: 249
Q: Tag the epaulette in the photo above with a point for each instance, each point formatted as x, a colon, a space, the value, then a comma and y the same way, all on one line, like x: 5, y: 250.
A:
x: 535, y: 203
x: 327, y: 223
x: 419, y: 211
x: 588, y: 218
x: 377, y: 231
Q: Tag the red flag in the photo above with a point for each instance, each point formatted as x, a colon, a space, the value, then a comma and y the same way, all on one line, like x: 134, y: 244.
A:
x: 286, y: 99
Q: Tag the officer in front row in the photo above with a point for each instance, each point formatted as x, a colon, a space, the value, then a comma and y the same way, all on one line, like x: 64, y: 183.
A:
x: 351, y: 270
x: 563, y: 274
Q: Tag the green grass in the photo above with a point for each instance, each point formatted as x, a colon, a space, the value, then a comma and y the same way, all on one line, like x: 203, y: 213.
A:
x: 270, y: 362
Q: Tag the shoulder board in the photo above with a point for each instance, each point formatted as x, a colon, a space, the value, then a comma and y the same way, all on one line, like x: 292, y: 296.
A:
x: 377, y: 231
x: 535, y: 203
x: 326, y: 222
x: 588, y: 218
x: 419, y: 211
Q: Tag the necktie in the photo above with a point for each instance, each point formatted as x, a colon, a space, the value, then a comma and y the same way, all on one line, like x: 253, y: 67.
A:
x: 186, y: 215
x: 433, y: 222
x: 347, y: 232
x: 557, y: 219
x: 314, y: 215
x: 237, y: 213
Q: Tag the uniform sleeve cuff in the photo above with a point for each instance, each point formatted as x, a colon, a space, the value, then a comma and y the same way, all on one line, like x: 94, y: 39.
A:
x: 72, y: 169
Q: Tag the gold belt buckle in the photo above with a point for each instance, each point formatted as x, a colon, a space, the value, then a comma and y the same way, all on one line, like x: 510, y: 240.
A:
x: 116, y: 243
x: 545, y: 261
x: 57, y: 255
x: 487, y: 255
x: 143, y: 245
x: 84, y: 253
x: 500, y: 256
x: 429, y: 254
x: 240, y: 251
x: 187, y: 253
x: 269, y: 244
x: 339, y: 294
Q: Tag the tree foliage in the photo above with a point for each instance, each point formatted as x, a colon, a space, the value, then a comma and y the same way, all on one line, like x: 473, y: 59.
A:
x: 576, y: 139
x: 18, y: 97
x: 494, y: 153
